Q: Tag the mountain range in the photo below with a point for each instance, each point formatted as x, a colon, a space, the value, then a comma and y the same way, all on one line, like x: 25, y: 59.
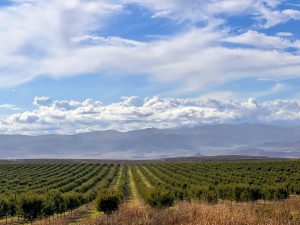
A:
x: 210, y: 140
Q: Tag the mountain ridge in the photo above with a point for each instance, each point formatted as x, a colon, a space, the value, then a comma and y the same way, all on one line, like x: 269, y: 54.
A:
x: 152, y: 143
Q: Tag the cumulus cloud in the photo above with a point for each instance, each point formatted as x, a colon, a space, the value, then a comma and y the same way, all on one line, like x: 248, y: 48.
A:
x: 42, y: 101
x: 67, y: 117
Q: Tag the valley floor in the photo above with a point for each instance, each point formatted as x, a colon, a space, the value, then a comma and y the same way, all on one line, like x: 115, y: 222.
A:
x: 138, y: 180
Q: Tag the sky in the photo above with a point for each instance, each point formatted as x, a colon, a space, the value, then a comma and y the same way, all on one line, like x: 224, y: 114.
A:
x: 84, y: 65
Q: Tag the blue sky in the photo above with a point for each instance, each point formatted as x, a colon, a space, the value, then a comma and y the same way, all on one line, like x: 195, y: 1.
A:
x: 74, y: 50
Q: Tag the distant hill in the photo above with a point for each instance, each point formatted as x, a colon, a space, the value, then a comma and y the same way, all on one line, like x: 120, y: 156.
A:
x: 221, y: 158
x: 243, y: 139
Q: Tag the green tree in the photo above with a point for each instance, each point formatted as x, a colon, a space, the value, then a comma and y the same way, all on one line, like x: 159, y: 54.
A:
x: 31, y: 206
x: 48, y: 206
x: 161, y: 198
x: 72, y: 200
x: 108, y: 202
x: 281, y: 193
x: 4, y: 208
x: 58, y: 201
x: 12, y: 206
x: 211, y: 197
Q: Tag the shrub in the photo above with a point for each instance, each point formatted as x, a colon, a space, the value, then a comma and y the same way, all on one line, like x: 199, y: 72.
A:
x: 31, y: 206
x: 58, y: 201
x: 275, y: 193
x: 211, y: 197
x: 107, y: 202
x: 73, y: 200
x: 281, y: 193
x: 12, y: 206
x: 161, y: 198
x: 4, y: 208
x: 48, y: 207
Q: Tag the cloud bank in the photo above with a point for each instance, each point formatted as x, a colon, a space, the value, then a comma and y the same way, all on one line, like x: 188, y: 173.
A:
x: 68, y: 116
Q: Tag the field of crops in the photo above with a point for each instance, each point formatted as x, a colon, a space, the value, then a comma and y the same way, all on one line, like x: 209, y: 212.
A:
x: 41, y: 190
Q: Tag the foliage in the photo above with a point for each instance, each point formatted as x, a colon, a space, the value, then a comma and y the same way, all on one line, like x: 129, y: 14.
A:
x: 161, y: 198
x: 31, y: 206
x: 107, y: 202
x: 42, y: 190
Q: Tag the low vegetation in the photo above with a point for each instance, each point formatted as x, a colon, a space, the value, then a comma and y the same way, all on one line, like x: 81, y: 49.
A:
x: 36, y: 191
x: 108, y: 202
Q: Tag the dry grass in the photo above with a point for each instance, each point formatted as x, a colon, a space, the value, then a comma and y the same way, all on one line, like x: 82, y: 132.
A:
x: 194, y: 213
x: 276, y: 213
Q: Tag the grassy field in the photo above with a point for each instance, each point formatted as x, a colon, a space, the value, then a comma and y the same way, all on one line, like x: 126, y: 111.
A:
x: 240, y: 192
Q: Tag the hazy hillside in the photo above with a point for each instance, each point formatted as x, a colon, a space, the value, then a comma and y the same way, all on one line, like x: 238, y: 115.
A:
x: 246, y: 139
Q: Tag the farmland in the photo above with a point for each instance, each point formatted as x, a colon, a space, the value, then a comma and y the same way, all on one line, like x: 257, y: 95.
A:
x: 56, y: 188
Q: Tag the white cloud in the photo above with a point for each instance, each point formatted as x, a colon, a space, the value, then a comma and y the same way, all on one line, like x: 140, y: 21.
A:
x: 57, y: 38
x: 263, y: 41
x: 32, y: 31
x: 275, y: 17
x: 275, y: 89
x: 188, y: 58
x: 222, y: 96
x: 263, y: 10
x: 42, y: 101
x: 9, y: 107
x: 135, y: 113
x: 284, y: 34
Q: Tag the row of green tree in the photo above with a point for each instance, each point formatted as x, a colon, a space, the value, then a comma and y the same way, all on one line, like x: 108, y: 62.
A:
x: 183, y: 188
x: 33, y: 206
